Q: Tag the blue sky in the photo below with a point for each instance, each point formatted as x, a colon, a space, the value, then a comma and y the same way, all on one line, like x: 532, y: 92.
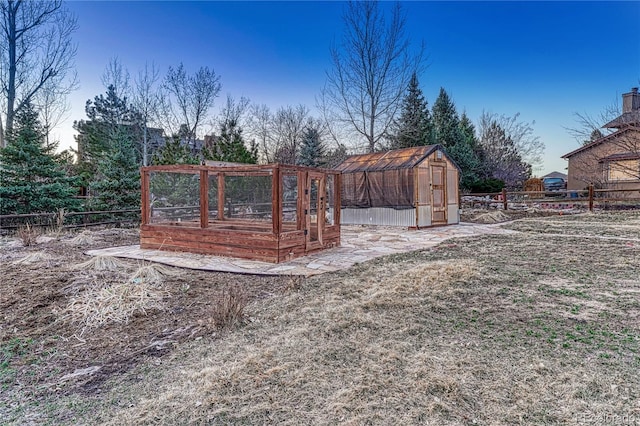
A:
x: 545, y: 60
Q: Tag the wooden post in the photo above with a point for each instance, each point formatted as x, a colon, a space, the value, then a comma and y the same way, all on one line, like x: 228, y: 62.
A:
x: 145, y: 212
x: 505, y: 204
x: 204, y: 199
x: 337, y: 194
x: 221, y: 196
x: 591, y: 197
x: 276, y: 200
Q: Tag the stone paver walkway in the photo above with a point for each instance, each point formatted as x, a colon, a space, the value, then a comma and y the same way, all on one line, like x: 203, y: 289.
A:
x: 359, y: 244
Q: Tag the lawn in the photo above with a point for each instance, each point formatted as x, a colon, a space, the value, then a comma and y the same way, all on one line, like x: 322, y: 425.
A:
x: 535, y: 327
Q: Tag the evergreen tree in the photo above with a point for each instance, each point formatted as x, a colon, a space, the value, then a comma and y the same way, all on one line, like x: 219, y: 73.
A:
x: 108, y: 119
x: 174, y: 152
x: 413, y: 128
x: 445, y: 121
x: 230, y: 146
x: 336, y: 156
x: 312, y: 150
x: 118, y: 183
x: 501, y: 158
x: 467, y: 154
x: 32, y: 180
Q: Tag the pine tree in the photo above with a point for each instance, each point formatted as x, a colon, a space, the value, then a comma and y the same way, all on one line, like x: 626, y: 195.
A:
x: 230, y: 146
x: 414, y: 127
x: 467, y: 154
x: 118, y: 183
x: 312, y: 150
x: 174, y: 152
x: 32, y: 180
x: 445, y: 120
x: 108, y: 118
x: 501, y: 158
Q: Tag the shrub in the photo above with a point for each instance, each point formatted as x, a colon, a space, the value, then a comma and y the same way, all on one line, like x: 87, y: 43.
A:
x: 229, y: 310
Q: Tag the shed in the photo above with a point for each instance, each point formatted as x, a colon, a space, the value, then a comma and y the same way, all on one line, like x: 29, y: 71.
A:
x: 414, y: 187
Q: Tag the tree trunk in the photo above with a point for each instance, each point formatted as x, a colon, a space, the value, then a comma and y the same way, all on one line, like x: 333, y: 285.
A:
x: 11, y: 87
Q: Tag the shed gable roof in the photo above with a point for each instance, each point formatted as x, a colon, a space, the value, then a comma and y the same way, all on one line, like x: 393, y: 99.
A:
x: 405, y: 158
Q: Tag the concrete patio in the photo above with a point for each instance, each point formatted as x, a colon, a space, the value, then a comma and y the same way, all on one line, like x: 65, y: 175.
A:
x: 359, y: 244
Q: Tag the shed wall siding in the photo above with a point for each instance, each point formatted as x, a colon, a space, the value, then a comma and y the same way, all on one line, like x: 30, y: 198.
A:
x: 424, y: 216
x: 378, y: 216
x: 453, y: 214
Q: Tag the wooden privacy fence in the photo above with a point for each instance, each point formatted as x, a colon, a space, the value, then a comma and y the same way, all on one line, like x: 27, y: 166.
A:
x: 590, y: 198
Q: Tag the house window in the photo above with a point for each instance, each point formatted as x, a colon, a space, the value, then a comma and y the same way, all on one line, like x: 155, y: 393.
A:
x: 624, y: 170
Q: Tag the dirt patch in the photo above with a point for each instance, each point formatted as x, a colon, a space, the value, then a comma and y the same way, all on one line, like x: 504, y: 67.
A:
x: 64, y: 312
x: 499, y: 215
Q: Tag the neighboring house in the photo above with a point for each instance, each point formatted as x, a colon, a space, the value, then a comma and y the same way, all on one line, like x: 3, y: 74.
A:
x: 612, y: 161
x: 555, y: 175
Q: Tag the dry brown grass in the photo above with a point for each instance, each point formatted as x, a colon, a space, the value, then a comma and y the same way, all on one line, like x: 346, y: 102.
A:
x: 114, y: 302
x: 100, y: 263
x: 28, y: 235
x: 477, y: 332
x: 524, y: 328
x: 84, y: 238
x: 229, y: 309
x: 495, y: 216
x: 35, y: 257
x: 153, y: 273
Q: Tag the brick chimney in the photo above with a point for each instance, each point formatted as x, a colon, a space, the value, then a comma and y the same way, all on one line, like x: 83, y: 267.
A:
x: 631, y: 101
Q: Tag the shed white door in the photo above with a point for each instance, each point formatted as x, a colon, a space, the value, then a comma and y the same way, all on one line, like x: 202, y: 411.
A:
x: 438, y: 195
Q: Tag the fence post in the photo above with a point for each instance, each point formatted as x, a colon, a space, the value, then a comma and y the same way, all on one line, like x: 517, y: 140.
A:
x: 591, y: 197
x: 505, y: 204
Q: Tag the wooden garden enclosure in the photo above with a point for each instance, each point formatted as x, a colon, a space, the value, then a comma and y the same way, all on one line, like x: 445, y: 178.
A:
x: 413, y: 187
x: 269, y: 212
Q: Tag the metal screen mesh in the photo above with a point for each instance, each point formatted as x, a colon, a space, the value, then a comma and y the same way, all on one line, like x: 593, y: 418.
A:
x: 175, y: 198
x: 248, y: 197
x: 388, y: 188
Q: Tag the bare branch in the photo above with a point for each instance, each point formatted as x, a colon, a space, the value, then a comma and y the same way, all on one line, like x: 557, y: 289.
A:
x: 37, y: 53
x: 371, y: 68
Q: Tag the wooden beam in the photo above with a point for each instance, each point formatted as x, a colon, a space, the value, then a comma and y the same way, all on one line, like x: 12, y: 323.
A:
x: 337, y: 198
x: 145, y: 205
x: 204, y: 198
x: 300, y: 225
x: 276, y: 201
x: 221, y: 196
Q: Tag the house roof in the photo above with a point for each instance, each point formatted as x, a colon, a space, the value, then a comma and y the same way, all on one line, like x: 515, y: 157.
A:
x: 630, y: 118
x: 603, y: 139
x: 620, y: 157
x: 405, y: 158
x: 555, y: 175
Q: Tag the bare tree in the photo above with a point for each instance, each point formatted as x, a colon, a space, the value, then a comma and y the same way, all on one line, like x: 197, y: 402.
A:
x: 117, y: 76
x: 528, y: 146
x: 286, y: 133
x: 259, y: 125
x: 189, y: 98
x: 147, y: 101
x: 502, y: 159
x: 236, y: 111
x: 51, y: 102
x: 587, y: 125
x: 371, y: 69
x: 37, y: 49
